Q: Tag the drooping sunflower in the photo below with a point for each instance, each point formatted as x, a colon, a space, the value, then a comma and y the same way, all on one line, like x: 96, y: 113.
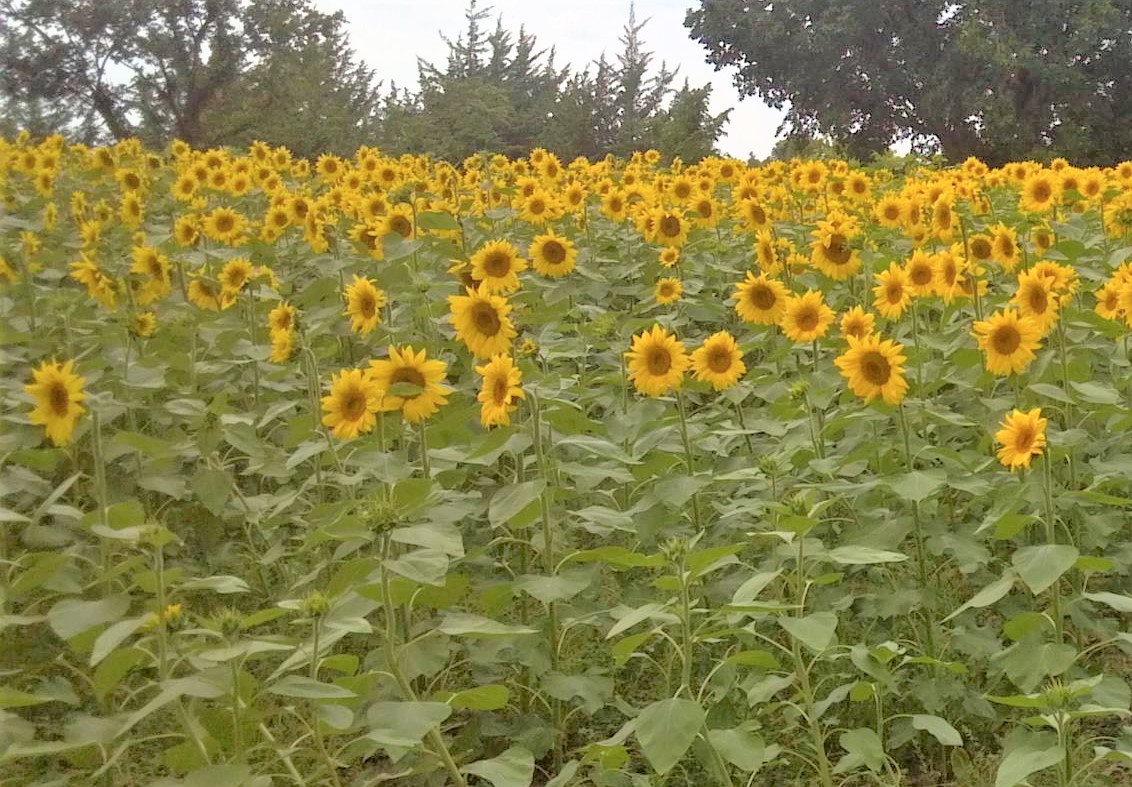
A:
x: 553, y: 256
x: 805, y: 317
x: 1022, y: 436
x: 874, y: 368
x: 154, y: 269
x: 657, y: 362
x: 719, y: 361
x: 500, y: 392
x: 496, y: 266
x: 668, y: 291
x: 481, y: 322
x: 281, y: 319
x: 207, y: 294
x: 282, y: 346
x: 352, y: 406
x: 364, y: 301
x: 760, y: 299
x: 1008, y: 339
x: 408, y: 381
x: 893, y: 294
x: 858, y: 323
x: 144, y: 325
x: 57, y: 392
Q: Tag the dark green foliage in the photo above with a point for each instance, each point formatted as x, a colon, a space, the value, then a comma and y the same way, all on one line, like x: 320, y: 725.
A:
x: 997, y: 79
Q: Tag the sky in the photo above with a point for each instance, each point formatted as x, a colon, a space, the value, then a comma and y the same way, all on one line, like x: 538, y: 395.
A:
x: 389, y: 36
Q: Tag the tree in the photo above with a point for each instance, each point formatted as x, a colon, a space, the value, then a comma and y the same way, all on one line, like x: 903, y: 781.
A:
x: 992, y: 78
x: 205, y: 71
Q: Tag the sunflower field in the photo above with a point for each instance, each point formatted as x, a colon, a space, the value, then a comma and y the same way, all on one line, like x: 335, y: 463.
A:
x: 523, y: 472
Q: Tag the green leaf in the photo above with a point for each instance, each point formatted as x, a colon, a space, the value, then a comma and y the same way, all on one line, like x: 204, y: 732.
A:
x: 70, y: 617
x: 219, y: 776
x: 939, y: 728
x: 492, y: 696
x: 513, y: 768
x: 1096, y: 393
x: 224, y: 585
x: 815, y: 631
x: 510, y: 501
x: 594, y: 690
x: 1028, y: 758
x: 11, y: 698
x: 1119, y: 603
x: 917, y: 486
x: 440, y: 536
x: 864, y: 556
x: 864, y: 747
x: 666, y: 729
x: 426, y: 566
x: 1041, y: 566
x: 212, y: 488
x: 987, y: 596
x: 557, y: 588
x: 461, y: 624
x: 436, y: 220
x: 743, y: 749
x: 112, y: 637
x: 1027, y: 663
x: 310, y: 689
x: 403, y: 724
x: 617, y: 556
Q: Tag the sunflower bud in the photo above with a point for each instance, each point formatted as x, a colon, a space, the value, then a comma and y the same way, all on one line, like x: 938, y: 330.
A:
x: 316, y: 604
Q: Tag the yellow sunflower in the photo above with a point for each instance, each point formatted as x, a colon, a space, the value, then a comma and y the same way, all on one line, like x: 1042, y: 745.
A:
x: 225, y: 225
x: 236, y: 274
x: 1008, y: 340
x: 760, y: 299
x: 144, y: 325
x: 857, y: 323
x: 57, y: 392
x: 552, y: 255
x: 281, y: 319
x: 718, y: 361
x: 352, y: 406
x: 1004, y: 246
x: 1108, y: 301
x: 921, y: 274
x: 1022, y: 436
x: 408, y: 381
x: 1036, y: 299
x: 669, y: 256
x: 874, y: 367
x: 481, y: 322
x: 500, y: 392
x: 364, y: 301
x: 1041, y: 191
x: 893, y: 293
x: 657, y: 362
x: 669, y: 227
x: 668, y: 291
x: 497, y: 266
x: 282, y: 346
x: 806, y: 318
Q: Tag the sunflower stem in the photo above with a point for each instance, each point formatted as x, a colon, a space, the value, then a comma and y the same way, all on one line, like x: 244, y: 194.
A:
x: 916, y: 344
x: 426, y: 468
x: 918, y: 529
x: 1051, y: 538
x: 100, y: 487
x: 688, y: 459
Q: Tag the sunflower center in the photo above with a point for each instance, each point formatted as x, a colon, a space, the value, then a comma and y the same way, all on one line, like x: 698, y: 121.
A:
x: 1038, y: 300
x: 409, y: 375
x: 615, y: 205
x: 837, y: 251
x: 757, y: 214
x: 367, y: 304
x: 980, y: 248
x: 401, y: 225
x: 659, y: 361
x: 921, y: 275
x: 486, y: 319
x: 1006, y: 245
x: 497, y: 264
x: 875, y: 368
x: 354, y: 405
x: 943, y: 215
x: 554, y: 252
x: 670, y: 226
x: 763, y: 297
x: 59, y: 399
x: 1023, y: 439
x: 719, y: 359
x: 500, y: 391
x: 892, y: 212
x: 224, y: 223
x: 1042, y: 191
x: 536, y: 206
x: 807, y: 319
x: 894, y: 293
x: 1006, y: 340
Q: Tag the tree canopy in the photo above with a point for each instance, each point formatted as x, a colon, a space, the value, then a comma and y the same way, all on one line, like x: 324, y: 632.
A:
x: 998, y: 79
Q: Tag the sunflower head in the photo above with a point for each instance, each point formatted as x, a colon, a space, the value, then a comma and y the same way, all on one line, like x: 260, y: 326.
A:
x: 500, y: 392
x: 57, y: 392
x: 1021, y: 437
x: 874, y: 368
x: 657, y: 362
x: 718, y: 361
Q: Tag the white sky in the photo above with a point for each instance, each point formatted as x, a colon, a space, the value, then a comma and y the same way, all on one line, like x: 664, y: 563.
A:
x: 390, y: 35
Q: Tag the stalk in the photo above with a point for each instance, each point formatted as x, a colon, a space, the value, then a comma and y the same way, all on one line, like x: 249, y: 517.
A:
x: 1051, y: 538
x: 688, y: 459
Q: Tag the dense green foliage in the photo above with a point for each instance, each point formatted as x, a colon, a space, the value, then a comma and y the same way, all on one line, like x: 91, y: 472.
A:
x: 998, y: 79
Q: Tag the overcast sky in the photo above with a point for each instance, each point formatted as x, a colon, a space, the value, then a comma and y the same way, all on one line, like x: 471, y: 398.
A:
x: 389, y: 35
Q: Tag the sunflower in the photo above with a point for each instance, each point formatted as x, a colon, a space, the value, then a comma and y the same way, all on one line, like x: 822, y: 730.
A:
x: 614, y: 205
x: 760, y: 299
x: 235, y: 275
x: 806, y: 318
x: 186, y: 229
x: 874, y: 367
x: 225, y: 225
x: 670, y: 228
x: 57, y: 392
x: 893, y: 294
x: 718, y: 361
x: 857, y: 323
x: 209, y: 295
x: 553, y: 255
x: 1004, y: 245
x: 364, y: 301
x: 669, y: 256
x: 833, y: 257
x: 1009, y: 340
x: 1040, y: 192
x: 889, y: 211
x: 1035, y: 298
x: 143, y: 325
x: 1021, y: 438
x: 409, y: 382
x: 921, y: 274
x: 943, y: 215
x: 499, y: 395
x: 753, y: 215
x: 481, y: 322
x: 1108, y: 301
x: 281, y: 319
x: 496, y: 266
x: 98, y: 285
x: 657, y: 362
x: 981, y: 247
x: 351, y: 407
x: 282, y: 346
x: 668, y: 291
